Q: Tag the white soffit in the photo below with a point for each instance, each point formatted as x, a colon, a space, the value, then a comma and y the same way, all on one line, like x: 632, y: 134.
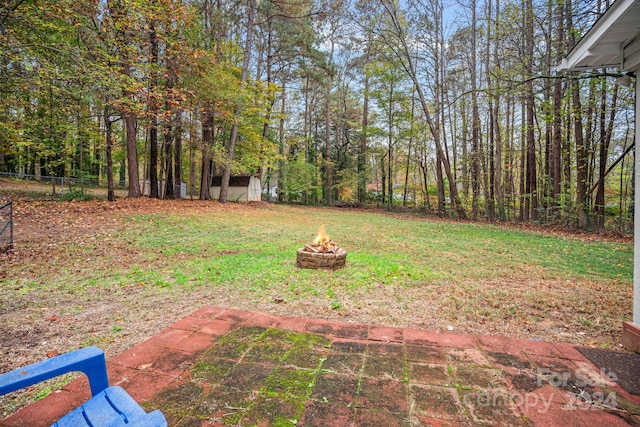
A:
x: 612, y: 42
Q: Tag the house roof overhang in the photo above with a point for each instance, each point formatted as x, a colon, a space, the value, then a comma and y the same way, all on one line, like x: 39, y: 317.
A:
x: 612, y: 42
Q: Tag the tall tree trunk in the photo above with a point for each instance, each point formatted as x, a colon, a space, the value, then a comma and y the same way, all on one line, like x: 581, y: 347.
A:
x: 439, y: 53
x: 271, y: 101
x: 177, y: 149
x: 390, y: 150
x: 442, y: 206
x: 491, y: 208
x: 248, y: 46
x: 581, y: 156
x: 407, y: 61
x: 496, y: 161
x: 475, y: 121
x: 207, y: 144
x: 328, y: 175
x: 111, y: 195
x: 383, y: 173
x: 605, y: 141
x: 509, y: 159
x: 281, y: 148
x: 168, y: 160
x: 465, y: 149
x: 566, y: 146
x: 547, y: 113
x: 153, y: 111
x: 362, y: 151
x: 453, y: 190
x: 132, y: 154
x: 531, y: 174
x: 408, y: 162
x: 558, y: 95
x: 524, y: 199
x: 117, y: 12
x: 307, y: 146
x: 425, y: 183
x: 192, y: 158
x: 131, y: 141
x: 168, y: 138
x: 590, y: 117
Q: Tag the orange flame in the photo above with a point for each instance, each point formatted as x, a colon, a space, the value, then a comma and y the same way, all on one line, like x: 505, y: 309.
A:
x: 322, y: 236
x: 322, y: 242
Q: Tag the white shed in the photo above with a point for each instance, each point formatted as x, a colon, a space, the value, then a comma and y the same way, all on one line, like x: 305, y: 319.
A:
x: 614, y: 42
x: 242, y: 188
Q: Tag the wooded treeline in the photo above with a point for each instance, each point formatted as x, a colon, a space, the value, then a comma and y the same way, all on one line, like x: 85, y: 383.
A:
x: 454, y: 110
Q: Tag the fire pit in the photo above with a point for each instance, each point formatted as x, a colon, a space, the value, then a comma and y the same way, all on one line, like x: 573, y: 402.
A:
x: 322, y: 253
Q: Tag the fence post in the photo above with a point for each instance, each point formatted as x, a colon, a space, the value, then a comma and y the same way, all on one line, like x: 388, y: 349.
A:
x: 10, y: 223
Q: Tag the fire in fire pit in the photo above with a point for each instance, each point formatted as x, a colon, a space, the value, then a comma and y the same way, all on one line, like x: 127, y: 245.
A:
x: 322, y: 253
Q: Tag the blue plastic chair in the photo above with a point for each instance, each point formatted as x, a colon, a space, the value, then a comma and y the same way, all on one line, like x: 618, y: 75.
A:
x: 108, y: 406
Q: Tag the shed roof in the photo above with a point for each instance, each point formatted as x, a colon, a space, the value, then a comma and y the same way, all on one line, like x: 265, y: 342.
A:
x: 612, y: 42
x: 234, y: 181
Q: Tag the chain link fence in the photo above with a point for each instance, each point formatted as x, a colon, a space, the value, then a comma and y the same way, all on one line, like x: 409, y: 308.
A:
x: 6, y: 226
x: 58, y: 180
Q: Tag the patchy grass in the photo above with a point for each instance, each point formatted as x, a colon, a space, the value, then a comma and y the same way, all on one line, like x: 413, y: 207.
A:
x: 116, y: 273
x: 255, y: 251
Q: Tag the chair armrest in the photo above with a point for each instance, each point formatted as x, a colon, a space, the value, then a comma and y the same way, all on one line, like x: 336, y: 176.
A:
x: 89, y: 360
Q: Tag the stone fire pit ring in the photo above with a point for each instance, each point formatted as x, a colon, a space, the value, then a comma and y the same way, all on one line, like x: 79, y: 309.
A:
x: 326, y: 260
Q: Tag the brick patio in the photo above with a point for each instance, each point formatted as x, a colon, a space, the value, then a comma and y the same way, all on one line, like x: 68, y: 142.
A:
x: 221, y: 366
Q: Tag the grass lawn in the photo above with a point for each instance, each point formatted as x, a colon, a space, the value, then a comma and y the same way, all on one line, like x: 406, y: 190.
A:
x: 114, y: 274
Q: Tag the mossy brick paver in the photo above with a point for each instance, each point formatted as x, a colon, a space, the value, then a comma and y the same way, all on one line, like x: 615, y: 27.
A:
x: 212, y: 370
x: 305, y: 357
x: 506, y: 360
x: 383, y: 394
x: 271, y: 349
x: 468, y: 355
x: 273, y: 410
x: 472, y: 376
x: 320, y: 414
x: 345, y: 364
x: 248, y: 376
x: 375, y: 417
x: 348, y: 346
x: 335, y: 390
x: 492, y: 407
x: 387, y: 350
x: 437, y: 402
x: 376, y: 366
x: 425, y: 353
x: 227, y: 367
x: 425, y: 373
x: 178, y: 397
x: 290, y: 382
